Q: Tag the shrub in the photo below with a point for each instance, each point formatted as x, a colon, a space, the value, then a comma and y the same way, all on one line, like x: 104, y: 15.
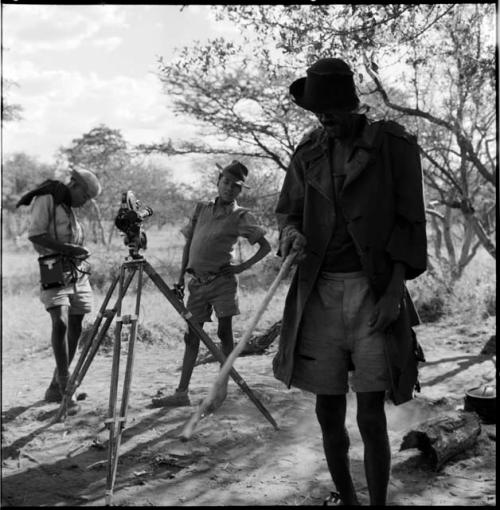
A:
x: 432, y: 309
x: 429, y: 297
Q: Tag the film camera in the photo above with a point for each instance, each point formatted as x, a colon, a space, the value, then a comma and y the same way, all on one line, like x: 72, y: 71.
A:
x: 129, y: 220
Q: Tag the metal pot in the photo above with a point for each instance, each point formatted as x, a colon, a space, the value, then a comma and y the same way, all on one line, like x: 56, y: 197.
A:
x: 482, y: 400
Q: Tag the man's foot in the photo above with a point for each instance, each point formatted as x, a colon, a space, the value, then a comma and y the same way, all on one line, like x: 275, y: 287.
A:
x: 333, y: 500
x: 53, y: 394
x: 178, y: 399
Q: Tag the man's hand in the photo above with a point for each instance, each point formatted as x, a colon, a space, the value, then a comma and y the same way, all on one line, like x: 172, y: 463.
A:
x: 179, y: 290
x: 385, y: 313
x: 292, y: 239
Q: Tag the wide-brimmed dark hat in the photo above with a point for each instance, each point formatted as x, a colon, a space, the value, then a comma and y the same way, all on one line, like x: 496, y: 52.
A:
x: 236, y: 171
x: 329, y: 85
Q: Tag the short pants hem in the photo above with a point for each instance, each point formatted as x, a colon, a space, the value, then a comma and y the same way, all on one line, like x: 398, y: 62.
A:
x: 302, y: 385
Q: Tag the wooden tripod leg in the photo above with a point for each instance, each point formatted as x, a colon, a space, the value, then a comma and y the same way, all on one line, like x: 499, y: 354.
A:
x: 113, y: 420
x: 71, y: 386
x: 91, y: 348
x: 119, y: 425
x: 183, y: 311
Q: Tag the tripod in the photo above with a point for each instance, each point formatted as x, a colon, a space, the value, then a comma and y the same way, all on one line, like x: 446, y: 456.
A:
x: 116, y: 420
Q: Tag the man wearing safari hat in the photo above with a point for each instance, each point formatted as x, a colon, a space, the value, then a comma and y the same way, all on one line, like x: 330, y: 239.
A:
x: 352, y: 208
x: 58, y: 237
x: 211, y: 236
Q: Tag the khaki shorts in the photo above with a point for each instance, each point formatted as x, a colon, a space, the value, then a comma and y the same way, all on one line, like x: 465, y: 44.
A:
x: 334, y: 337
x: 77, y: 296
x: 221, y: 295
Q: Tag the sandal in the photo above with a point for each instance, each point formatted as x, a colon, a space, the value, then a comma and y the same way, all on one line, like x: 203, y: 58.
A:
x: 333, y: 500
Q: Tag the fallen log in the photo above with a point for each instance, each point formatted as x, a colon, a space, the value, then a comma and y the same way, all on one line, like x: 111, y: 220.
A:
x: 256, y: 345
x: 440, y: 439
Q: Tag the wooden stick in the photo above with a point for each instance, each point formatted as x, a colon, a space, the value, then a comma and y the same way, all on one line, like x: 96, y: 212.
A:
x: 217, y: 391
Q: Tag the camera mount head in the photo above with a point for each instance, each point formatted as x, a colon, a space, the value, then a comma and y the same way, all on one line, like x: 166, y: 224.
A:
x: 129, y: 220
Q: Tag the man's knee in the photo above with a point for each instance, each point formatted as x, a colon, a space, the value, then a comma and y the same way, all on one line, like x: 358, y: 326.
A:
x: 59, y: 316
x: 371, y: 414
x: 330, y: 411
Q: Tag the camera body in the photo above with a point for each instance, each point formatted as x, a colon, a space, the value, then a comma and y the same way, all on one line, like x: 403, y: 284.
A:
x: 129, y: 221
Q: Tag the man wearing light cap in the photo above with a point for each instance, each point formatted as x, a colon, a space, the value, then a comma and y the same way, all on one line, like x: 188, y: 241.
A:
x: 352, y: 208
x: 58, y: 237
x: 211, y: 236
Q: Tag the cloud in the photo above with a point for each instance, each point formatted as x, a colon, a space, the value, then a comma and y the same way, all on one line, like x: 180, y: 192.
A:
x: 60, y: 106
x: 29, y: 29
x: 108, y: 43
x: 59, y: 55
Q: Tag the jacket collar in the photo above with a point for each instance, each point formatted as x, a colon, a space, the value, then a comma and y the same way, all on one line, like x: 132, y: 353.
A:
x: 363, y: 151
x: 318, y: 174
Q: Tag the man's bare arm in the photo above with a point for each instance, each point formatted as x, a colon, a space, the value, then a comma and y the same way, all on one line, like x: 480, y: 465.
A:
x: 69, y: 249
x: 184, y: 262
x: 264, y: 249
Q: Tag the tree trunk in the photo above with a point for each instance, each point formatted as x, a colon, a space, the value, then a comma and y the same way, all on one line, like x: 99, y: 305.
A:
x: 99, y: 220
x: 442, y: 438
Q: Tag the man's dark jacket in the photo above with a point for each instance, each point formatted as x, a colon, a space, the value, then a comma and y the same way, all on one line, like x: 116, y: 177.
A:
x: 382, y: 201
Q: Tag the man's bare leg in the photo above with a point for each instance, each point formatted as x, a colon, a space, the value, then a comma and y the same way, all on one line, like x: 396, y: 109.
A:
x: 372, y: 425
x: 331, y: 411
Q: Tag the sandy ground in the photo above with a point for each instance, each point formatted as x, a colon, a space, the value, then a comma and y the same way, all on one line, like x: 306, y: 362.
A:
x: 235, y: 456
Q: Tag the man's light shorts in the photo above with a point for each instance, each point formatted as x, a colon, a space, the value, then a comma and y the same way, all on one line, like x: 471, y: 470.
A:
x: 220, y: 295
x: 334, y: 334
x: 77, y: 296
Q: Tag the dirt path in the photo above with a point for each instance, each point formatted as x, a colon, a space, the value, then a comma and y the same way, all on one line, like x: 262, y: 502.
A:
x: 235, y: 457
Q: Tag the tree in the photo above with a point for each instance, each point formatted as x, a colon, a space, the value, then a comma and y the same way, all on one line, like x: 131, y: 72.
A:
x: 412, y: 65
x: 240, y: 102
x: 20, y: 174
x: 104, y: 151
x: 10, y: 111
x: 447, y: 85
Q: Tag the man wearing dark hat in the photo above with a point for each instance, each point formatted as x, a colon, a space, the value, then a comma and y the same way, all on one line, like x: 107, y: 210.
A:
x: 207, y: 257
x: 57, y: 236
x: 352, y: 208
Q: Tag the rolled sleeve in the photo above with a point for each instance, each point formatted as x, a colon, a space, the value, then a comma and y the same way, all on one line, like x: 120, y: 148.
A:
x: 408, y: 244
x: 40, y: 219
x: 187, y: 230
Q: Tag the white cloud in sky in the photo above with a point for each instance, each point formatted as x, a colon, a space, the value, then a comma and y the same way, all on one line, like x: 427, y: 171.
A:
x: 80, y: 66
x: 30, y: 29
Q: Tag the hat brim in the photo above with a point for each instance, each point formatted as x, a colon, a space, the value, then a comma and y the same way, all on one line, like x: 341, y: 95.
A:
x: 241, y: 183
x: 82, y: 182
x: 297, y: 92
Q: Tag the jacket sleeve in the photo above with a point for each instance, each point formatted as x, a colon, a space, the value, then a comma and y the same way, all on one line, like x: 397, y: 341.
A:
x: 408, y: 240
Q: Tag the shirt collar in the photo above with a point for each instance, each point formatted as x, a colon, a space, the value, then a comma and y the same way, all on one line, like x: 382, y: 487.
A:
x: 226, y: 209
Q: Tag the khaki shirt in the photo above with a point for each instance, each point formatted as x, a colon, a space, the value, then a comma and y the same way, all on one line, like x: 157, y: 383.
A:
x: 65, y: 228
x: 215, y: 233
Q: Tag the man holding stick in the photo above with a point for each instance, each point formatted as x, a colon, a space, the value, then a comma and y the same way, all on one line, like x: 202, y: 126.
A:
x: 210, y: 238
x: 352, y: 207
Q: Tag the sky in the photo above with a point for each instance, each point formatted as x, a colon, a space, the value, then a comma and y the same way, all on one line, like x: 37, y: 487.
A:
x: 78, y: 66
